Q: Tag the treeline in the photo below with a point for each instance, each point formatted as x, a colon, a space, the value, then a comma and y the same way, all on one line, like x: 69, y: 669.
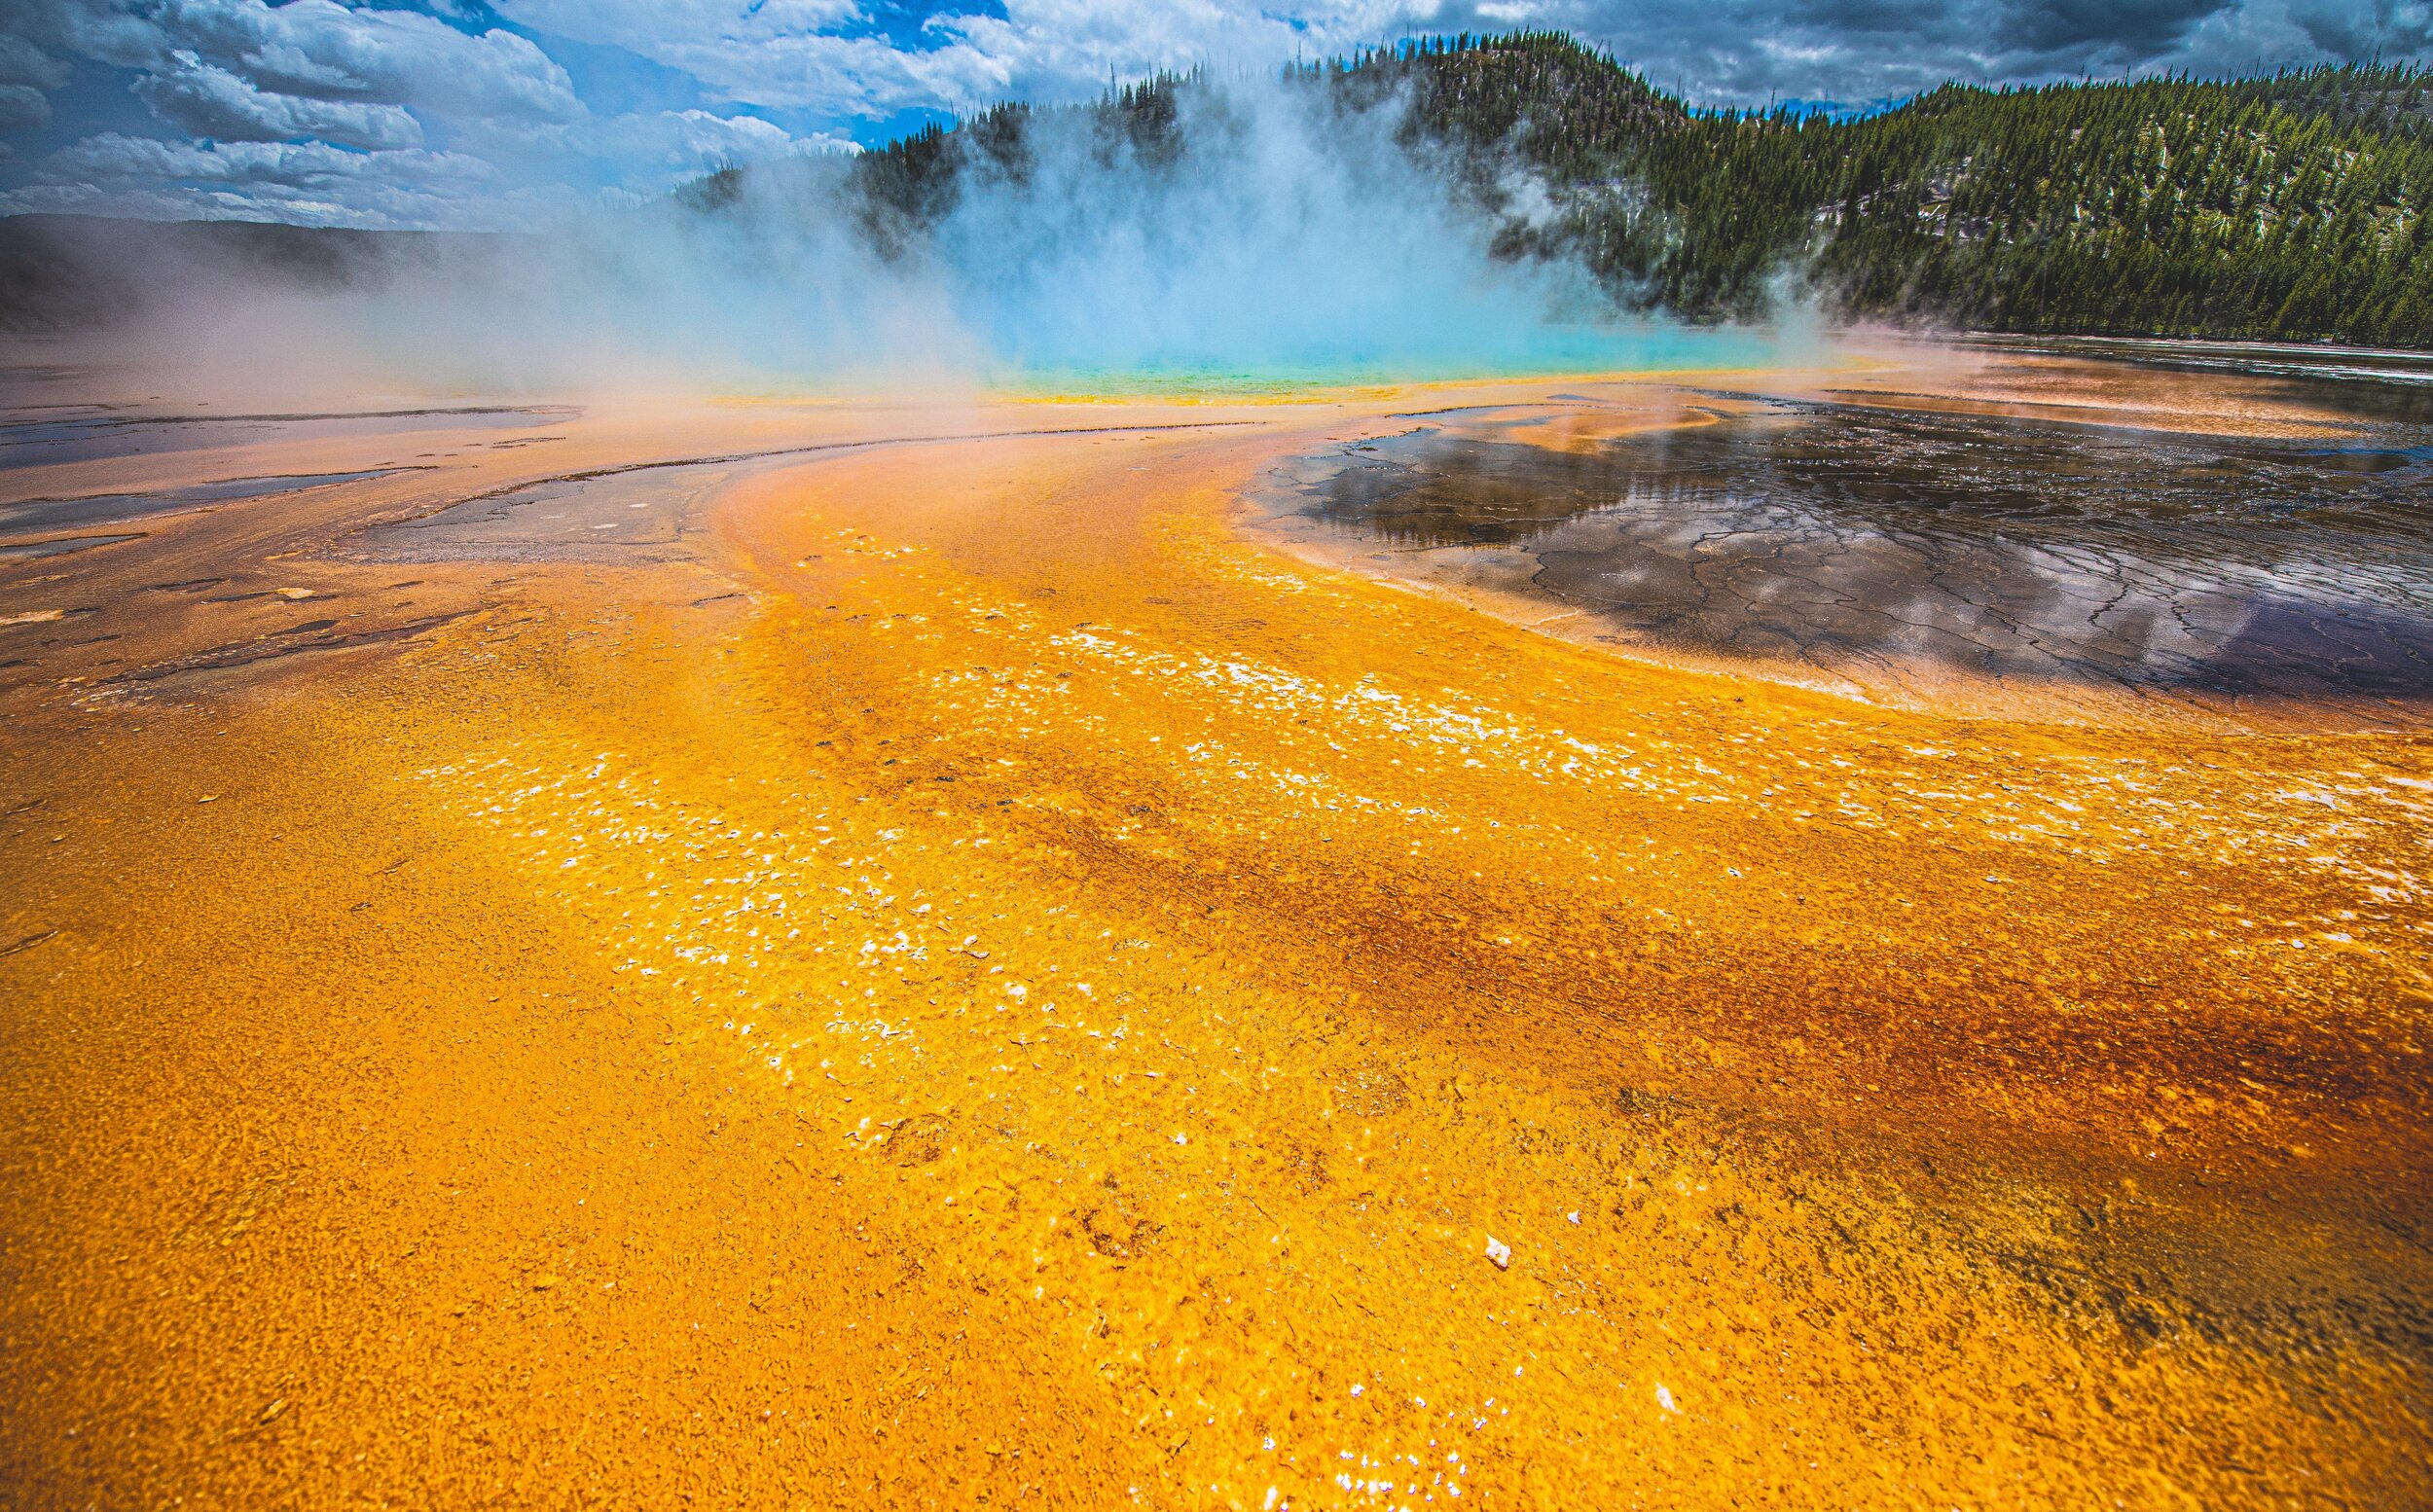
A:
x: 2288, y: 208
x: 69, y: 273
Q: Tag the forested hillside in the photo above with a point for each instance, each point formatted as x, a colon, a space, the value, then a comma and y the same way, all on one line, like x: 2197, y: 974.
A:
x: 2289, y: 207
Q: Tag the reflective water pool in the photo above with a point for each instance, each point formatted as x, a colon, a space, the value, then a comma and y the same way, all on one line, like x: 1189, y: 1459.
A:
x: 1845, y: 536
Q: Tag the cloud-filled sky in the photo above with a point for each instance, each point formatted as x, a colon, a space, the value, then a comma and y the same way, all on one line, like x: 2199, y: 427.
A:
x: 477, y: 113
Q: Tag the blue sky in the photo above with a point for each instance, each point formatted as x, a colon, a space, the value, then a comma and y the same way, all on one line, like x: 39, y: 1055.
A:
x: 478, y: 113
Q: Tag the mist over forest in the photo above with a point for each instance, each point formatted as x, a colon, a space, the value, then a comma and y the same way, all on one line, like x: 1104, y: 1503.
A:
x: 2289, y: 207
x: 1466, y: 203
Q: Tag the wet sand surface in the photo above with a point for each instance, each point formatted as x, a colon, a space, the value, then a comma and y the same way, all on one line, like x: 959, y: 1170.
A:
x: 935, y: 969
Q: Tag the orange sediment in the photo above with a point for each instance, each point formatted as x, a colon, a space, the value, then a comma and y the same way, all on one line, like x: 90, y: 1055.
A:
x: 980, y: 984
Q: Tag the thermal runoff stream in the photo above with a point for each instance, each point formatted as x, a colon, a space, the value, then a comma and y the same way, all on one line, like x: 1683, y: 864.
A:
x: 1840, y: 928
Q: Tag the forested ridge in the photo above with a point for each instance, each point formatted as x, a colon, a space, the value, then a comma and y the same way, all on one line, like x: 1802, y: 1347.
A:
x: 2288, y: 208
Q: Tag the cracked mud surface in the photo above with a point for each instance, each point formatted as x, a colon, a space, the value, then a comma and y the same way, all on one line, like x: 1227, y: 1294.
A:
x: 940, y: 972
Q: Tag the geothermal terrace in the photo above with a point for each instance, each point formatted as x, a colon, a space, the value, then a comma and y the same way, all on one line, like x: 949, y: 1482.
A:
x: 1056, y: 951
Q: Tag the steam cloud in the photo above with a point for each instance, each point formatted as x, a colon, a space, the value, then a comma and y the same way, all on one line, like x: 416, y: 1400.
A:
x: 1265, y: 236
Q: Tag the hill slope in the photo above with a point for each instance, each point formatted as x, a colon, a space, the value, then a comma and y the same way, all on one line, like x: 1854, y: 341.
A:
x: 2290, y: 208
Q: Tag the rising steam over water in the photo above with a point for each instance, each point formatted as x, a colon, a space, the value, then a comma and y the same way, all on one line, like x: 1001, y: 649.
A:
x: 1266, y: 237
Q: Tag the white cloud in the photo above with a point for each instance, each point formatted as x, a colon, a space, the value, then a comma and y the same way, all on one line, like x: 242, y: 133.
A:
x: 309, y: 183
x: 387, y: 84
x: 207, y: 101
x: 743, y: 52
x: 278, y: 95
x: 320, y: 51
x: 374, y: 206
x: 689, y: 139
x: 22, y: 106
x: 789, y: 54
x: 793, y: 55
x: 660, y: 148
x: 113, y: 156
x: 2268, y: 32
x: 22, y: 62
